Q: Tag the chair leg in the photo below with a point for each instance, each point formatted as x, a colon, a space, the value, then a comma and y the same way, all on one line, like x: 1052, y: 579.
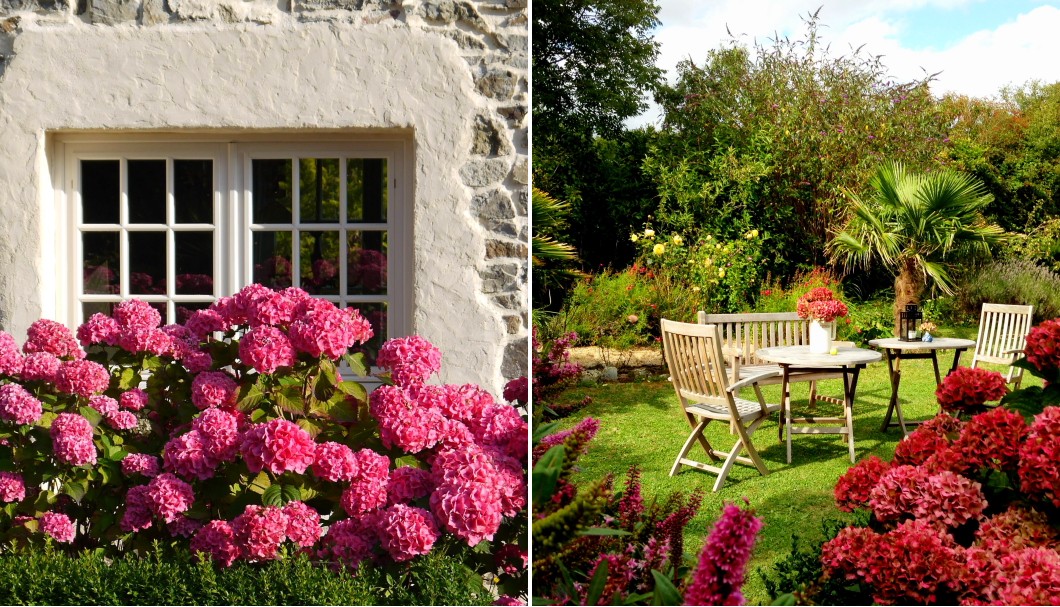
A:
x: 813, y: 395
x: 751, y: 451
x: 729, y: 461
x: 697, y: 434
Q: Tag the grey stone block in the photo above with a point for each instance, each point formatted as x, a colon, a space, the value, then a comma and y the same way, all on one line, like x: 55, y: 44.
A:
x: 516, y: 359
x: 113, y: 12
x: 485, y: 172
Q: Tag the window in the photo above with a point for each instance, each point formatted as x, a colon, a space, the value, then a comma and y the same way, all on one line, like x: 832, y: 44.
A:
x: 180, y: 224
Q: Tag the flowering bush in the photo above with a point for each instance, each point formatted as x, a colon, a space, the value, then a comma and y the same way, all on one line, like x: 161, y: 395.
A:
x: 821, y: 305
x: 235, y: 434
x: 966, y: 390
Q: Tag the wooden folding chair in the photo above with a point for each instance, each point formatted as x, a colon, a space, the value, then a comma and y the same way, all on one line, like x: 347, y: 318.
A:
x: 1002, y: 337
x: 697, y: 370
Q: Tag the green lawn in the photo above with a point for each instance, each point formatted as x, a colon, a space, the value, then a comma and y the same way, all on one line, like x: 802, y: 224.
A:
x: 641, y: 424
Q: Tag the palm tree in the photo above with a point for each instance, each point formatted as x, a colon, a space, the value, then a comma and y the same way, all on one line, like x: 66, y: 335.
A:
x: 549, y: 255
x: 918, y: 225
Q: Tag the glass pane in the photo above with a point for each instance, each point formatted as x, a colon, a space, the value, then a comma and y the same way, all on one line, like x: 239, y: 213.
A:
x: 320, y: 262
x: 318, y: 189
x: 185, y: 309
x: 147, y: 263
x: 366, y: 191
x: 193, y: 191
x: 162, y: 308
x: 272, y: 259
x: 90, y: 308
x: 194, y: 259
x: 366, y: 268
x: 147, y: 191
x: 100, y: 191
x: 376, y: 315
x: 272, y: 191
x: 101, y: 255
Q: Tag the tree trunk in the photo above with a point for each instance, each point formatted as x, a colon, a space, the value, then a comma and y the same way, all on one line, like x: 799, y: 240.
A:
x: 908, y: 286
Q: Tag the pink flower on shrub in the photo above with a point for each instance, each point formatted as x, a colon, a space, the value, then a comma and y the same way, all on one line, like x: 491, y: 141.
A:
x: 502, y: 426
x: 471, y: 512
x: 168, y: 497
x: 967, y: 389
x: 266, y: 349
x: 510, y: 483
x: 133, y: 400
x: 1043, y: 345
x: 72, y: 440
x: 12, y: 487
x: 1039, y: 466
x: 98, y: 329
x: 329, y: 331
x: 303, y: 524
x: 259, y: 531
x: 854, y: 555
x: 918, y: 446
x: 141, y: 463
x: 121, y: 420
x: 187, y: 456
x: 367, y: 491
x: 217, y: 540
x: 203, y: 323
x: 406, y: 532
x: 40, y: 366
x: 897, y: 492
x: 52, y: 337
x: 219, y: 429
x: 82, y: 377
x: 469, y: 465
x: 103, y: 404
x: 517, y: 390
x: 197, y: 361
x: 511, y: 559
x: 407, y: 484
x: 58, y: 526
x: 138, y: 514
x: 1017, y: 528
x: 183, y: 526
x: 135, y: 314
x: 723, y: 561
x: 820, y: 304
x: 153, y: 341
x: 992, y: 440
x: 243, y: 301
x: 213, y: 389
x: 508, y: 600
x: 18, y: 405
x: 335, y: 462
x: 347, y: 543
x: 411, y: 430
x: 464, y: 402
x: 950, y: 500
x: 411, y: 360
x: 10, y: 358
x: 277, y: 446
x: 1030, y: 576
x: 274, y: 309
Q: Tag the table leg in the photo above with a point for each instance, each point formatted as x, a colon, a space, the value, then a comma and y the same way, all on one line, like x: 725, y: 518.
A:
x: 935, y: 364
x: 894, y: 366
x: 786, y: 407
x: 956, y: 359
x: 849, y: 390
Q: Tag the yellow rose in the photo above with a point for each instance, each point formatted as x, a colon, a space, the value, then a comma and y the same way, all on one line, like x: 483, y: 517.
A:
x: 659, y: 249
x: 678, y: 240
x: 633, y: 237
x: 717, y: 246
x: 709, y: 237
x: 708, y: 261
x: 721, y: 272
x: 754, y: 233
x: 696, y: 289
x: 649, y: 233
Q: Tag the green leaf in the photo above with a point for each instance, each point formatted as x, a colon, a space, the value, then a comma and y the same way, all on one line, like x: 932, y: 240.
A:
x: 290, y: 493
x: 785, y: 599
x: 128, y: 379
x: 665, y: 592
x: 354, y: 389
x: 543, y: 430
x: 1028, y: 402
x: 328, y: 371
x: 597, y: 584
x: 151, y: 363
x: 76, y: 489
x: 91, y: 415
x: 260, y: 483
x: 250, y: 396
x: 602, y: 531
x: 273, y: 496
x: 341, y: 411
x: 310, y: 426
x: 289, y: 400
x: 358, y: 363
x: 546, y: 474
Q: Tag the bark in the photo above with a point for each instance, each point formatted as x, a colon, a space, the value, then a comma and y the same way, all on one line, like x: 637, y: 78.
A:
x: 908, y: 287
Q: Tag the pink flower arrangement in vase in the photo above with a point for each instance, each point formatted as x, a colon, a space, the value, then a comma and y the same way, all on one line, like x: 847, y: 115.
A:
x: 820, y: 306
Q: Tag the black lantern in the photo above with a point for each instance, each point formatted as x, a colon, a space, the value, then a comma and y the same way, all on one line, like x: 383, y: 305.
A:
x: 909, y: 323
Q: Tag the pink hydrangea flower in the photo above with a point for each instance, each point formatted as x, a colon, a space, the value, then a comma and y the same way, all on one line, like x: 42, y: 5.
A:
x: 260, y: 531
x: 517, y: 391
x: 992, y: 440
x: 153, y: 341
x: 1043, y: 345
x: 501, y: 425
x: 406, y: 532
x: 465, y: 466
x: 72, y: 440
x: 217, y: 540
x: 213, y: 389
x: 1039, y: 463
x: 52, y: 337
x: 897, y: 492
x: 367, y: 491
x: 138, y: 514
x: 136, y: 314
x: 1030, y: 576
x: 278, y: 446
x: 133, y: 400
x: 40, y: 366
x: 82, y: 377
x: 12, y: 487
x: 103, y: 404
x: 723, y: 561
x: 411, y: 430
x: 274, y: 309
x: 471, y: 512
x: 187, y: 456
x: 10, y: 357
x: 411, y: 360
x: 510, y: 482
x: 183, y: 527
x: 141, y: 463
x: 219, y: 430
x: 508, y: 600
x: 335, y: 462
x: 266, y: 349
x: 58, y: 526
x: 98, y: 329
x: 407, y: 484
x: 121, y: 420
x: 197, y: 361
x: 328, y: 331
x: 852, y: 490
x: 1017, y: 528
x: 950, y: 500
x: 203, y: 323
x: 347, y: 543
x: 18, y: 405
x: 967, y: 389
x: 168, y: 497
x: 303, y: 524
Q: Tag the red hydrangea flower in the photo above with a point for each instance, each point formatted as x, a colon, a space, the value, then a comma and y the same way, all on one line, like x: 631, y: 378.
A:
x: 12, y: 487
x: 303, y: 524
x: 918, y: 446
x: 897, y: 492
x: 411, y: 360
x: 58, y: 526
x: 992, y: 440
x: 406, y: 532
x: 18, y: 405
x: 1030, y: 576
x: 820, y: 304
x: 168, y: 497
x: 1043, y: 345
x: 266, y: 349
x: 517, y: 390
x: 949, y: 500
x: 471, y: 512
x: 277, y: 446
x: 10, y: 358
x: 141, y: 463
x: 40, y: 366
x: 967, y: 389
x: 52, y: 337
x: 217, y: 540
x: 335, y: 462
x: 1016, y: 528
x: 1039, y: 466
x: 82, y: 377
x: 347, y: 542
x: 213, y: 389
x: 723, y: 561
x: 135, y: 314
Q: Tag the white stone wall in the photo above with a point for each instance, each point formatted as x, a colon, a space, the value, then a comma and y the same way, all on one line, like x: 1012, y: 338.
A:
x: 451, y: 73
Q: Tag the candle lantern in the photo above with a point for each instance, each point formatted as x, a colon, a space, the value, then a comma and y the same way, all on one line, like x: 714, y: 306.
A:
x: 909, y: 323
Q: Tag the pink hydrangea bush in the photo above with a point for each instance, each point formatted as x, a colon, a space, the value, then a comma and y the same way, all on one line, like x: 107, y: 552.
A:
x: 235, y: 435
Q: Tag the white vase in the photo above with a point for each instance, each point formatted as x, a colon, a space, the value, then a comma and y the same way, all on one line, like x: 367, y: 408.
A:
x: 820, y: 337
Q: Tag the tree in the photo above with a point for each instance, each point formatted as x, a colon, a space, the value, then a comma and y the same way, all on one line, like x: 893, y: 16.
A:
x: 918, y: 225
x: 550, y: 256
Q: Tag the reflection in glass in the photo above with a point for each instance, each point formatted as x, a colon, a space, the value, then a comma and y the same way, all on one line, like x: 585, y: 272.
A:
x: 194, y: 263
x: 272, y: 191
x: 376, y: 315
x: 147, y: 263
x: 100, y: 191
x: 271, y: 256
x: 147, y: 191
x: 89, y: 308
x: 320, y: 262
x: 366, y: 191
x: 193, y: 191
x: 366, y: 269
x: 162, y: 308
x: 318, y: 190
x: 101, y: 255
x: 185, y: 309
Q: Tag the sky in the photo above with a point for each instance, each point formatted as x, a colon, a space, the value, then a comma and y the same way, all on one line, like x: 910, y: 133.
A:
x: 978, y: 46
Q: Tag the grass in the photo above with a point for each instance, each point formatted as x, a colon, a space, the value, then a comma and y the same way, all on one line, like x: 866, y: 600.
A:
x: 641, y: 425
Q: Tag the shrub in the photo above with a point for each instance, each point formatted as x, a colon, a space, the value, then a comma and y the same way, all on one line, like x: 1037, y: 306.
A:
x: 1013, y: 282
x: 248, y: 442
x: 552, y: 372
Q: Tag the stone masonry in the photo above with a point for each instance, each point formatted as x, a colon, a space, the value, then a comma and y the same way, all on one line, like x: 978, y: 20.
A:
x: 450, y: 73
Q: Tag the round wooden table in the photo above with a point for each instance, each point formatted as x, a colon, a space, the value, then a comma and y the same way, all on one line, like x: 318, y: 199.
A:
x: 798, y: 361
x: 896, y: 350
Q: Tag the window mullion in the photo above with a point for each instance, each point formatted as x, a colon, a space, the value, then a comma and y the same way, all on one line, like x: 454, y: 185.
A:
x: 123, y: 231
x: 344, y: 256
x: 296, y: 220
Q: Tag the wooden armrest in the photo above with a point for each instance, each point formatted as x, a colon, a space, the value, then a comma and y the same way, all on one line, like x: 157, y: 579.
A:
x: 735, y: 357
x: 754, y: 379
x: 1019, y: 351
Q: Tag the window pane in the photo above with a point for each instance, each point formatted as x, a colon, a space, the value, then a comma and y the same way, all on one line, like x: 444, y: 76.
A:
x: 366, y: 266
x: 185, y: 309
x: 162, y: 308
x: 147, y: 191
x: 320, y: 262
x: 194, y: 259
x: 376, y: 315
x: 147, y: 263
x: 100, y: 191
x: 272, y: 191
x: 101, y: 255
x: 318, y: 189
x: 272, y: 259
x: 193, y: 191
x: 366, y: 192
x: 90, y: 308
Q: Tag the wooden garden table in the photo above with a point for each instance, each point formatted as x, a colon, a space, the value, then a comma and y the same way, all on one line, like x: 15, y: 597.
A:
x: 798, y: 360
x: 896, y: 350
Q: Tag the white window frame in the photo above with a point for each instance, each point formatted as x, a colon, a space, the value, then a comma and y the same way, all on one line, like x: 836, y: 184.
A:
x: 233, y: 264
